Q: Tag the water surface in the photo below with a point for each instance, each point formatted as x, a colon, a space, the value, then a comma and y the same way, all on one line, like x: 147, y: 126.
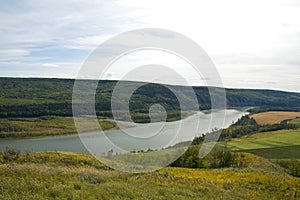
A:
x: 134, y: 138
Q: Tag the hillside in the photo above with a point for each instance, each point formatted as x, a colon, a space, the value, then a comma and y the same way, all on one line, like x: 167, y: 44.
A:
x: 80, y: 176
x: 34, y: 97
x: 278, y: 142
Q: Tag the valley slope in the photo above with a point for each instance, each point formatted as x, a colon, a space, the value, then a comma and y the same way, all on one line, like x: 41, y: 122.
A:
x: 34, y: 97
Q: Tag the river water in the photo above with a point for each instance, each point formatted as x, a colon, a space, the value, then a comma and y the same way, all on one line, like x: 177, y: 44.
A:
x: 134, y: 138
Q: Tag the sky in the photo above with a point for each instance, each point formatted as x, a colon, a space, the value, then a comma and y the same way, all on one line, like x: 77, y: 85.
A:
x: 253, y: 43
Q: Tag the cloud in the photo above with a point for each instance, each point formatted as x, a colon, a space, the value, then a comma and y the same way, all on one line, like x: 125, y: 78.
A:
x: 50, y: 65
x: 281, y: 77
x: 35, y: 33
x: 35, y: 69
x: 86, y: 43
x: 249, y: 41
x: 12, y: 54
x: 109, y: 75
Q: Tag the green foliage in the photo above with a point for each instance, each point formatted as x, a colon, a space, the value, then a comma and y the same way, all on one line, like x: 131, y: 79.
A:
x: 260, y: 109
x: 190, y: 159
x: 284, y: 125
x: 221, y: 159
x: 245, y: 121
x: 268, y: 99
x: 295, y: 122
x: 10, y: 155
x: 218, y: 158
x: 292, y: 166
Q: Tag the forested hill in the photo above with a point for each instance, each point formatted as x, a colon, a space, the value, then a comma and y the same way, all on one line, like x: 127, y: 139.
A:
x: 29, y: 97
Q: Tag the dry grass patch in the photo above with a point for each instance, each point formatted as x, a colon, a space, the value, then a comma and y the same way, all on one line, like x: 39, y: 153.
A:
x: 274, y: 117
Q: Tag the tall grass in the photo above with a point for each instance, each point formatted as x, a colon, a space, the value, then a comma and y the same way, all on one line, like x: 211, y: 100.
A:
x: 68, y: 176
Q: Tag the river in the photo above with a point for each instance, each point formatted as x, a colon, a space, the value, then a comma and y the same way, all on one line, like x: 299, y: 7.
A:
x: 134, y: 138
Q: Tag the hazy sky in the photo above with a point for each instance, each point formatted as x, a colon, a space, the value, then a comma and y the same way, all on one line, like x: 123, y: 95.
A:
x: 253, y: 43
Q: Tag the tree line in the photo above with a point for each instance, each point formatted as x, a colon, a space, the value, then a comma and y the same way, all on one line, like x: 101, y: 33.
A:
x: 34, y: 97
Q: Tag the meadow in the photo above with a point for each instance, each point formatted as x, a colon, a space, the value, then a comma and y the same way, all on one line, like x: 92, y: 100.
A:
x: 44, y: 126
x: 266, y: 140
x: 59, y: 175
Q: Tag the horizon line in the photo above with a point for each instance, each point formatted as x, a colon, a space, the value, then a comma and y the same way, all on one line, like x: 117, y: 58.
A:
x: 115, y: 80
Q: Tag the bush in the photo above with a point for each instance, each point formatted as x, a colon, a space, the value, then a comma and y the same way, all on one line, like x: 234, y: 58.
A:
x: 215, y: 159
x: 291, y: 166
x: 221, y: 159
x: 11, y: 154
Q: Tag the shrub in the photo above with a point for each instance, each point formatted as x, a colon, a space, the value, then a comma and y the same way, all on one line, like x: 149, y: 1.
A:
x: 291, y: 166
x: 11, y: 154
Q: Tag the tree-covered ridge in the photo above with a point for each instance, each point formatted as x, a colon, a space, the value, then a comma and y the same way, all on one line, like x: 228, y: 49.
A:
x: 34, y: 97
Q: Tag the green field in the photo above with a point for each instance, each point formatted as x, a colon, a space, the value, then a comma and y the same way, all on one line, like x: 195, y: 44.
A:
x: 79, y: 176
x: 44, y: 126
x: 266, y: 140
x: 280, y: 147
x: 284, y: 152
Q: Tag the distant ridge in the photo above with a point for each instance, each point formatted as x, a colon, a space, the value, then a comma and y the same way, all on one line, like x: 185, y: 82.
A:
x: 32, y: 97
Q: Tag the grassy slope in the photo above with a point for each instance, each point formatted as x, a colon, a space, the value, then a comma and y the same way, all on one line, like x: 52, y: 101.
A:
x: 274, y: 117
x: 79, y: 176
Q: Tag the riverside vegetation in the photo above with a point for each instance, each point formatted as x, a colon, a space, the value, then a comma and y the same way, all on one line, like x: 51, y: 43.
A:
x: 44, y: 126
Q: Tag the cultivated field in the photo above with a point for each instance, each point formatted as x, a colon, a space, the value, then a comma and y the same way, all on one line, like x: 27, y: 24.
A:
x: 274, y: 117
x: 284, y: 152
x: 266, y: 140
